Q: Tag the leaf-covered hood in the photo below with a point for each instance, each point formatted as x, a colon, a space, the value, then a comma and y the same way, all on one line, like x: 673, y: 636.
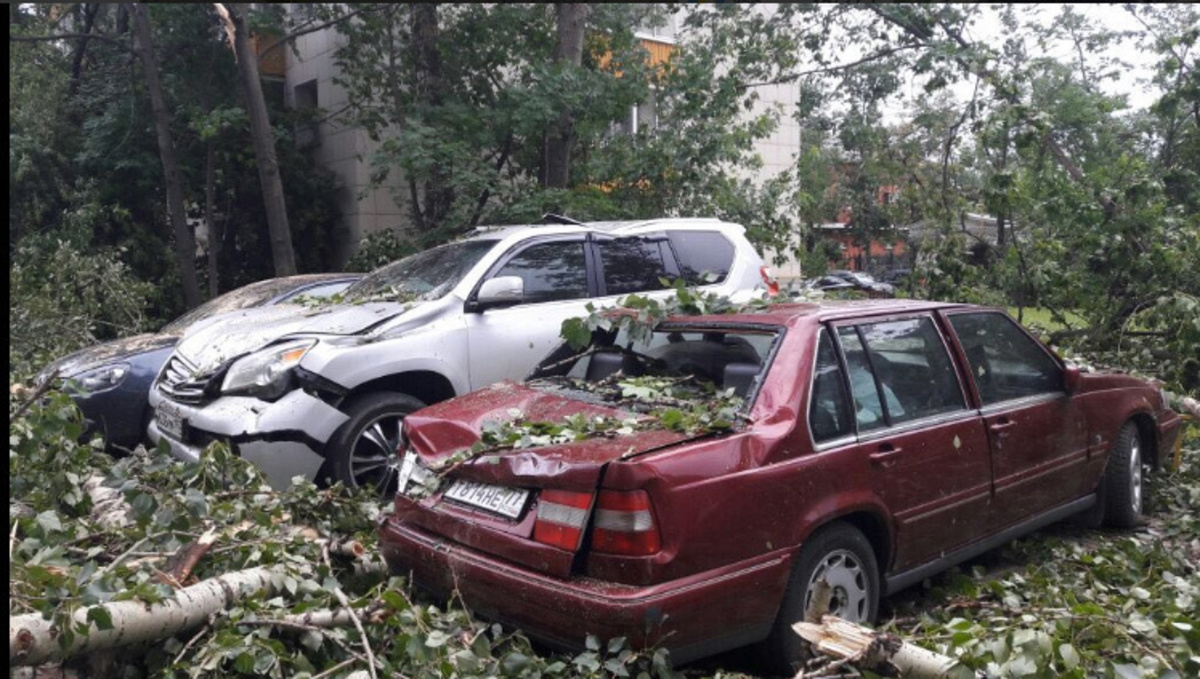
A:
x: 213, y: 341
x: 105, y: 353
x: 443, y: 431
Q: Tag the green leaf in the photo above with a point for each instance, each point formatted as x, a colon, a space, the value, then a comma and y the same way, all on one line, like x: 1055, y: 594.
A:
x: 465, y: 661
x: 514, y: 663
x: 263, y: 662
x: 1069, y: 655
x: 244, y: 663
x: 616, y: 667
x: 312, y: 640
x: 48, y: 521
x: 437, y: 639
x: 576, y: 333
x: 1126, y: 671
x: 101, y: 617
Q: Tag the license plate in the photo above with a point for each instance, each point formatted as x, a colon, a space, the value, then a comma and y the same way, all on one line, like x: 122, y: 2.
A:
x: 169, y: 421
x: 498, y: 499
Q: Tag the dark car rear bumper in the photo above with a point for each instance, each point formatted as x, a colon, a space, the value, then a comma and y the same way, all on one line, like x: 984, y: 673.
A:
x: 694, y: 617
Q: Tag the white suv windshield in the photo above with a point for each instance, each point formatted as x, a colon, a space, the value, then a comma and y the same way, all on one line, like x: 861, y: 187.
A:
x: 424, y: 276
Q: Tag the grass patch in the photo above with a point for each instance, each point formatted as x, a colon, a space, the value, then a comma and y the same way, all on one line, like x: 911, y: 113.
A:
x: 1042, y: 318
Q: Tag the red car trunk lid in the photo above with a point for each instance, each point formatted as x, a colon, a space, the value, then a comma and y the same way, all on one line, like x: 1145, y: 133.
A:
x: 438, y: 432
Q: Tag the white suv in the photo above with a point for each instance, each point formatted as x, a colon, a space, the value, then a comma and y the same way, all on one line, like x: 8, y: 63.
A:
x: 321, y: 391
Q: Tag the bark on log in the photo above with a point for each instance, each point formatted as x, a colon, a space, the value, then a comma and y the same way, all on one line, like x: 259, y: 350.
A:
x: 878, y: 651
x: 33, y: 640
x: 326, y: 618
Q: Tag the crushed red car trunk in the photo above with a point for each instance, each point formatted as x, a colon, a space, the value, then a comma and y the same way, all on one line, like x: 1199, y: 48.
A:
x: 503, y: 502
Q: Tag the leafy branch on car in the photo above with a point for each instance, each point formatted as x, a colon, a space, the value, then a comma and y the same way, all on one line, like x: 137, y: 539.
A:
x: 672, y: 403
x: 639, y: 315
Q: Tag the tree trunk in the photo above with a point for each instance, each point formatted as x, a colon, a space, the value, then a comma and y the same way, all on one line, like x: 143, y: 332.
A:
x: 122, y: 19
x: 185, y: 243
x: 89, y: 21
x: 210, y: 218
x: 437, y: 190
x: 33, y: 640
x: 568, y: 51
x: 264, y: 138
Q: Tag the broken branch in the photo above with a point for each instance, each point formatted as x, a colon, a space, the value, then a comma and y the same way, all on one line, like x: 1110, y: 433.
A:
x: 362, y: 633
x: 189, y: 556
x: 878, y: 651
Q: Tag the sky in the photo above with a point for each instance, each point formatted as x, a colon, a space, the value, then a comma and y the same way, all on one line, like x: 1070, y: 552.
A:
x: 1134, y: 80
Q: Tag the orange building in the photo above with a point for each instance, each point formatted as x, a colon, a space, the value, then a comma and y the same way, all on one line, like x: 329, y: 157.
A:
x: 878, y: 253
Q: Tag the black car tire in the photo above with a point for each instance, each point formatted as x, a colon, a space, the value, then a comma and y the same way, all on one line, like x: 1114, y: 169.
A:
x: 1123, y: 480
x: 843, y: 550
x: 365, y: 450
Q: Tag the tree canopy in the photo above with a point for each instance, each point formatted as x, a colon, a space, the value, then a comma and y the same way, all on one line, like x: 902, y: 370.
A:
x: 500, y: 113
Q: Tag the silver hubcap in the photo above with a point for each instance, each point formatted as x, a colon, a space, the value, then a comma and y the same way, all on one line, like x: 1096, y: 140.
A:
x: 1135, y: 476
x: 374, y: 456
x: 848, y: 586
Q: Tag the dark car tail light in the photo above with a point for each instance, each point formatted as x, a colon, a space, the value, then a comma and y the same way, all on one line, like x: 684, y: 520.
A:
x: 624, y: 524
x: 561, y: 518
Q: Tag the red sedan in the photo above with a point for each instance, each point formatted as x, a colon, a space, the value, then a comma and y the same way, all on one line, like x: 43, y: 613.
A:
x: 690, y: 488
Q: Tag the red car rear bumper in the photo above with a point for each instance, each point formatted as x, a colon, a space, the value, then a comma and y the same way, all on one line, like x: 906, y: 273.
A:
x: 693, y: 616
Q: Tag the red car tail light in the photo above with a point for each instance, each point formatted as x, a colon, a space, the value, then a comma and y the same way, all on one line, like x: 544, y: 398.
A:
x: 561, y: 518
x: 625, y: 524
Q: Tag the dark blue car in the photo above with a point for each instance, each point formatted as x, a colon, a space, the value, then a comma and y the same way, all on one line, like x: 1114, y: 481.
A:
x: 110, y: 381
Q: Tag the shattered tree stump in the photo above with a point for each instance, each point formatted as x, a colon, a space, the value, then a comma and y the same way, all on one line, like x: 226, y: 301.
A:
x: 878, y: 651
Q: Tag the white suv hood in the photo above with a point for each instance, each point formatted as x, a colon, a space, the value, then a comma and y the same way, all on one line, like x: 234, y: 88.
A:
x: 210, y: 343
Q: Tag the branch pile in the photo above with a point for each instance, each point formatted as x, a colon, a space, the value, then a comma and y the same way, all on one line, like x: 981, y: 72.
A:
x: 207, y: 571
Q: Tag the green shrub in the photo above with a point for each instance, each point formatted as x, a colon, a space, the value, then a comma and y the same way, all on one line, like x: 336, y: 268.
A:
x: 379, y: 248
x: 61, y: 300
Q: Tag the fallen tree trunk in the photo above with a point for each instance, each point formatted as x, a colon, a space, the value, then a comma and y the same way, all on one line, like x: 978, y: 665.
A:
x: 33, y: 640
x: 878, y: 651
x: 1192, y: 406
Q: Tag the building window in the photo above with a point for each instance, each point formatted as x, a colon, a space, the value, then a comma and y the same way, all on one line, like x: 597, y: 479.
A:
x: 304, y: 100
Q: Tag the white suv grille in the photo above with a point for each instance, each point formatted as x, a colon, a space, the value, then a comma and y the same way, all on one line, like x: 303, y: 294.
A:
x: 180, y: 381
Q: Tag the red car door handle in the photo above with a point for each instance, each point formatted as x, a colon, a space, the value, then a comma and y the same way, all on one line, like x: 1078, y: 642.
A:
x: 1002, y: 425
x: 886, y: 455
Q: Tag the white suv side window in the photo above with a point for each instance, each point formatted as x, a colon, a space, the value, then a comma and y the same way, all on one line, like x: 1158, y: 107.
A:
x: 551, y: 271
x: 636, y: 264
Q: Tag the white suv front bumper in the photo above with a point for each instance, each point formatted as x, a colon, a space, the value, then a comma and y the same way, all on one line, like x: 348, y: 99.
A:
x: 284, y: 439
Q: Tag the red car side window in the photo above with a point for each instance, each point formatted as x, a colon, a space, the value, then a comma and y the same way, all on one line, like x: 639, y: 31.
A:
x: 1005, y: 363
x: 914, y: 369
x: 828, y: 411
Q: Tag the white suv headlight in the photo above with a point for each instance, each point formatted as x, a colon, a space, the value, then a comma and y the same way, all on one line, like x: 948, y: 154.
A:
x: 266, y: 374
